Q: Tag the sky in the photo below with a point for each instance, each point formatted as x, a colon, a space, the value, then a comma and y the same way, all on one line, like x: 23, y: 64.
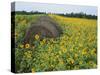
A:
x: 54, y: 8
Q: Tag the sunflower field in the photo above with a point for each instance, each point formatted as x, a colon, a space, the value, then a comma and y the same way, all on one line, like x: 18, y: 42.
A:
x: 75, y: 49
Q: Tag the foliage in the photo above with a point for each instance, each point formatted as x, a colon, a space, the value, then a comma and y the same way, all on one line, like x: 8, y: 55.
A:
x: 75, y: 49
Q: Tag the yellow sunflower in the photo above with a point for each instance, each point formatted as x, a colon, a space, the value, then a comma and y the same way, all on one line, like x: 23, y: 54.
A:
x: 33, y: 70
x: 37, y: 37
x: 27, y: 45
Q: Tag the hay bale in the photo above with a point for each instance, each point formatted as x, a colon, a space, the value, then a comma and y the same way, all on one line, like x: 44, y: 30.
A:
x: 44, y: 27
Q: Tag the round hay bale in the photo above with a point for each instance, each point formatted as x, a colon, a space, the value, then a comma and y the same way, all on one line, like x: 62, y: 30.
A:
x: 44, y: 27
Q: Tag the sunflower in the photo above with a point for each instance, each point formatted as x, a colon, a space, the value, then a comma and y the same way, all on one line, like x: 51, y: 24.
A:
x: 27, y: 45
x: 37, y: 37
x: 33, y: 70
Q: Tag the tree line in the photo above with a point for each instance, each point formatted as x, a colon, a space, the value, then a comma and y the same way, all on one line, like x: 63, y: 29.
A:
x: 77, y: 15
